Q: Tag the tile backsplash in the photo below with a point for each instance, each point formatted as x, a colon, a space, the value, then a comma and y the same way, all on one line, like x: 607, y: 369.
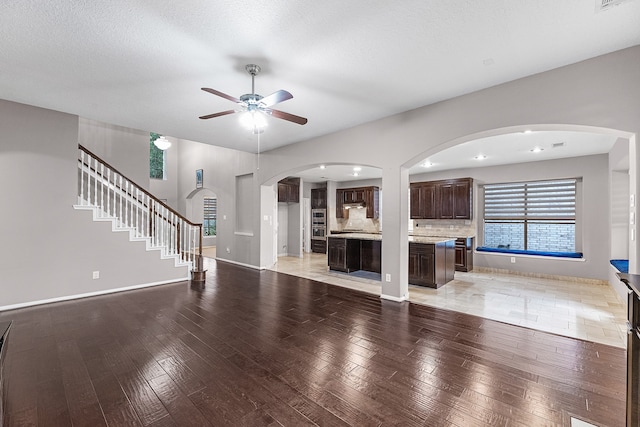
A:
x: 358, y: 221
x: 442, y: 227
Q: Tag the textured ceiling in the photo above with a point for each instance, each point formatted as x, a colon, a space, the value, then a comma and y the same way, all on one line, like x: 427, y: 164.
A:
x: 141, y: 64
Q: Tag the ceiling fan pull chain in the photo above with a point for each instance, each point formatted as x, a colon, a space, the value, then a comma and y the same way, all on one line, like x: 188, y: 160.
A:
x: 258, y: 150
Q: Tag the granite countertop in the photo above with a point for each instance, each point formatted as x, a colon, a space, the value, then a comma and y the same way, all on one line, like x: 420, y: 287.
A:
x: 376, y: 236
x: 360, y: 236
x: 449, y: 236
x: 430, y: 239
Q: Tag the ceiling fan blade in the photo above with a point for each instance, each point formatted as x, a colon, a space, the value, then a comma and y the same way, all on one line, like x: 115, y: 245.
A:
x: 221, y: 113
x: 276, y: 97
x: 290, y: 117
x: 223, y: 95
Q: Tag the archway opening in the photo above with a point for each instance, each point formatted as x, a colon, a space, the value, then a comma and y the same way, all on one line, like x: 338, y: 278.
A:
x: 202, y: 208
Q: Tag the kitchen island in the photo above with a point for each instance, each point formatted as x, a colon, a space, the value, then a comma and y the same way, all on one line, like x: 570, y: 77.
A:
x: 431, y: 259
x: 349, y: 252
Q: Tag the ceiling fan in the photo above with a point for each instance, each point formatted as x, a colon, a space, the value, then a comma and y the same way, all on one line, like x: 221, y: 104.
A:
x: 256, y: 105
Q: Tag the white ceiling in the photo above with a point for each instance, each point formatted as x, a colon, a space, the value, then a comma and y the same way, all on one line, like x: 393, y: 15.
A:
x: 497, y: 150
x: 141, y: 64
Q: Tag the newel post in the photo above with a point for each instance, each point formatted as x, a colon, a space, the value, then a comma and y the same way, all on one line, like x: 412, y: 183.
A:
x: 198, y: 273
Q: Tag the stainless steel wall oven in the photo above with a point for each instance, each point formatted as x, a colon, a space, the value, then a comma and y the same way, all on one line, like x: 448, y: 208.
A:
x: 318, y: 224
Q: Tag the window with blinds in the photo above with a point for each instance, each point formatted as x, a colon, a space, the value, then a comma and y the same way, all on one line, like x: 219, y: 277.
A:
x: 210, y: 216
x: 534, y: 215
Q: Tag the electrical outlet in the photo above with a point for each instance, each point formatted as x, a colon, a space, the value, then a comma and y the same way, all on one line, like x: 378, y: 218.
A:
x: 513, y: 260
x: 388, y: 277
x: 96, y: 274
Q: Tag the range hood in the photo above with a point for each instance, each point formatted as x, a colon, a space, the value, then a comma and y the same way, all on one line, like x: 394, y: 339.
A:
x: 355, y: 205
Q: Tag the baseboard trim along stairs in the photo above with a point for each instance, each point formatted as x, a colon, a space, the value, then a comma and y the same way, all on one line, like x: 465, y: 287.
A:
x: 117, y: 227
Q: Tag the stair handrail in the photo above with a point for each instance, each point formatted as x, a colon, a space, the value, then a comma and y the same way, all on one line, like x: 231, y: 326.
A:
x: 197, y: 267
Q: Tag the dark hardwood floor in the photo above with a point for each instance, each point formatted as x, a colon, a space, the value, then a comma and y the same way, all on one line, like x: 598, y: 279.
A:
x: 264, y: 349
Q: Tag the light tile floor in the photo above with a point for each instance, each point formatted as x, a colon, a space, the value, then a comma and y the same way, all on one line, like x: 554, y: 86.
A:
x: 587, y: 311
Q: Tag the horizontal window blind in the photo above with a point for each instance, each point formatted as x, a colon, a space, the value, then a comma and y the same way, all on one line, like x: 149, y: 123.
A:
x: 553, y: 201
x: 210, y: 207
x: 210, y: 216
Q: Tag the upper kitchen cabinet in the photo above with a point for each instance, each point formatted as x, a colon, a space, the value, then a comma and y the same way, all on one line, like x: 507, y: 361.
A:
x: 446, y: 199
x: 423, y: 200
x: 364, y: 197
x: 289, y: 190
x: 318, y: 198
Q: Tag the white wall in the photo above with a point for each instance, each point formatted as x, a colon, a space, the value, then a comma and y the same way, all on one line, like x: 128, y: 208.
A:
x: 283, y: 229
x: 125, y: 149
x: 50, y: 249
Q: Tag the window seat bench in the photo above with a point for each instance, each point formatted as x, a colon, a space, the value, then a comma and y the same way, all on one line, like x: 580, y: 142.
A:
x: 622, y: 265
x: 526, y: 252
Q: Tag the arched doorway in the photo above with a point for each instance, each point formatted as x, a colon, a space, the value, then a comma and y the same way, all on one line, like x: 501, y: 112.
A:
x: 201, y: 208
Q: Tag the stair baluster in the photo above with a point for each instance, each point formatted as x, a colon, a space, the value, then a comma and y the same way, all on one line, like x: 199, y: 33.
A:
x: 132, y: 207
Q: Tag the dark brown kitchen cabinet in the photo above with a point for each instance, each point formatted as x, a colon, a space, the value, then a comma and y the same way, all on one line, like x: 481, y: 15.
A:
x: 343, y: 254
x: 446, y: 199
x: 319, y: 246
x: 464, y: 254
x: 421, y: 264
x: 353, y: 254
x: 339, y: 203
x: 431, y: 264
x: 371, y: 255
x: 369, y: 197
x: 318, y: 198
x: 423, y: 200
x: 289, y: 190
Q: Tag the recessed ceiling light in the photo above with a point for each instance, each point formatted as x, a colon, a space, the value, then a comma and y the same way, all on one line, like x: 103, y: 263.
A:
x: 480, y: 157
x: 323, y: 167
x: 357, y: 169
x: 355, y: 174
x: 536, y: 149
x: 527, y: 132
x: 427, y: 164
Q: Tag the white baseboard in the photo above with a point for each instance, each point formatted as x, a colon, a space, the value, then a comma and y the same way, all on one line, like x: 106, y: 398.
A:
x: 392, y: 298
x: 242, y: 264
x: 89, y: 294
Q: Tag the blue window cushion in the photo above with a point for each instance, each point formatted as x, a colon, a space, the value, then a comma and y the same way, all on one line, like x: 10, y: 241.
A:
x: 525, y: 252
x: 622, y: 265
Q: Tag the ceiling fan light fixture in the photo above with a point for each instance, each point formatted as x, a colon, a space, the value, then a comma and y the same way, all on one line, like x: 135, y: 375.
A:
x: 252, y: 103
x: 162, y: 143
x: 254, y: 121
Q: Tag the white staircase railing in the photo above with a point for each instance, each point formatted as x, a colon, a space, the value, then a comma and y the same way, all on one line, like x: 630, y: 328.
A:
x: 131, y: 207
